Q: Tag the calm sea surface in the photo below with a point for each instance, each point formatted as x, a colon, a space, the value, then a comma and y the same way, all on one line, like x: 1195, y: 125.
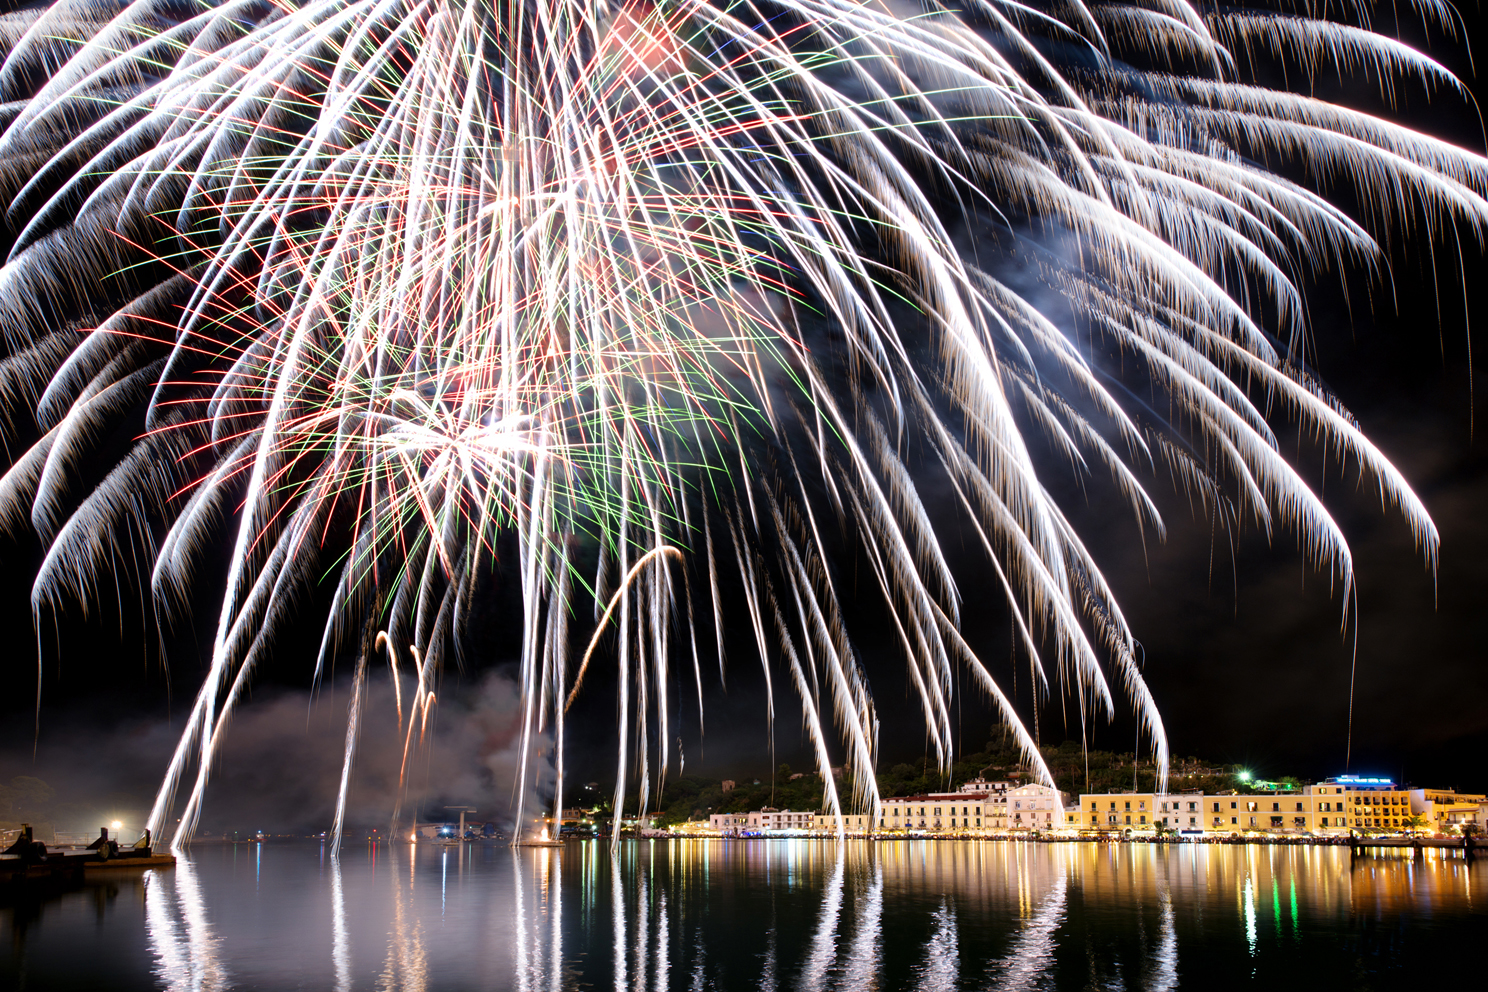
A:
x: 758, y: 914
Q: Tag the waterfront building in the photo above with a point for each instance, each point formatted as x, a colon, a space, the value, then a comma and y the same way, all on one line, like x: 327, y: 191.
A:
x: 1136, y: 812
x: 979, y: 807
x: 854, y: 824
x: 1336, y: 806
x: 1447, y: 808
x: 761, y: 821
x: 1032, y: 807
x: 943, y: 812
x: 1286, y: 811
x: 1129, y: 813
x: 1361, y: 803
x: 729, y: 823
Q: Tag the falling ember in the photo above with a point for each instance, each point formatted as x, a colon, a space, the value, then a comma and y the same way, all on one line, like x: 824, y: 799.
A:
x: 655, y: 295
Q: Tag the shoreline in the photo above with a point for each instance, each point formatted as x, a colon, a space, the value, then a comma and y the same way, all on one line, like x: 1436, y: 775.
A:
x: 1466, y: 845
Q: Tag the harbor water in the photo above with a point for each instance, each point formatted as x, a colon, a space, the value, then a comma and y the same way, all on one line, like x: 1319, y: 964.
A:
x: 756, y: 914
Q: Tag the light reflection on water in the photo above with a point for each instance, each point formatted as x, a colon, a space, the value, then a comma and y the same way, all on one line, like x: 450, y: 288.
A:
x: 812, y: 915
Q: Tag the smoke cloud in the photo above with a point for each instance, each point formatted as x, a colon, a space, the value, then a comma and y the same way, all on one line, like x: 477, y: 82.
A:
x: 279, y: 768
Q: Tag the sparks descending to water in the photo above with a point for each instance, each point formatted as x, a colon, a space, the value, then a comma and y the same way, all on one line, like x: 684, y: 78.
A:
x: 645, y: 302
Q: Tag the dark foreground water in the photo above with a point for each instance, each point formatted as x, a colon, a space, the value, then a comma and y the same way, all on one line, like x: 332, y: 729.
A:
x: 760, y: 915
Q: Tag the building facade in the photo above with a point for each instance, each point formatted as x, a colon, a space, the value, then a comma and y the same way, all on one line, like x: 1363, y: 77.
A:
x: 1447, y: 809
x: 979, y: 807
x: 1362, y: 804
x: 1136, y: 812
x: 762, y: 821
x: 1337, y: 806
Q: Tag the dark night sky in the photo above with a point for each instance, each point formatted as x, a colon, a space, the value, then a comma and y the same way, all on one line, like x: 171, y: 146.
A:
x: 1244, y: 652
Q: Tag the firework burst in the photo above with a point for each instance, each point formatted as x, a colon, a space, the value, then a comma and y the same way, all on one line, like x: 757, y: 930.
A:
x: 660, y: 292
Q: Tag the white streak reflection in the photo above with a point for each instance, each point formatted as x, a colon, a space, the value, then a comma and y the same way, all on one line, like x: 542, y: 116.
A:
x: 553, y: 890
x: 942, y: 962
x: 1028, y: 966
x: 526, y: 978
x: 179, y: 933
x: 867, y: 945
x: 1164, y: 976
x: 340, y: 946
x: 643, y: 934
x: 1250, y: 914
x: 538, y: 919
x: 406, y: 968
x: 617, y: 913
x: 166, y: 943
x: 663, y: 956
x: 700, y: 951
x: 768, y: 974
x: 823, y: 953
x: 208, y: 972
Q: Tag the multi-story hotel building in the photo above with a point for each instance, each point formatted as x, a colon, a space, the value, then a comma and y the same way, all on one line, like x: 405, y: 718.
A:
x: 1287, y: 812
x: 978, y: 807
x: 1445, y: 808
x: 1338, y: 805
x: 767, y: 820
x: 1360, y: 803
x: 853, y: 824
x: 1136, y: 812
x: 967, y: 811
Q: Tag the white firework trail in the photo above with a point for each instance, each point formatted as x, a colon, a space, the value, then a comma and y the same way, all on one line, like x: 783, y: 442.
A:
x: 636, y: 286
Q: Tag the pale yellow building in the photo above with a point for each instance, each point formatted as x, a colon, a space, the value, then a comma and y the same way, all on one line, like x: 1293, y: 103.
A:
x: 1289, y: 812
x: 1136, y: 812
x: 1361, y: 804
x: 1336, y: 806
x: 1447, y: 809
x: 944, y: 812
x: 854, y: 824
x: 978, y: 808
